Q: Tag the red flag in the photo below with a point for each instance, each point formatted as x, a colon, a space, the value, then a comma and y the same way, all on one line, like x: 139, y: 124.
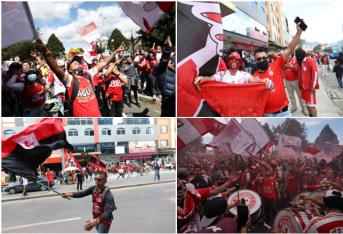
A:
x: 89, y: 32
x: 199, y: 47
x: 146, y: 14
x: 96, y: 162
x: 23, y: 152
x: 269, y: 148
x: 236, y: 100
x: 312, y: 150
x: 189, y: 130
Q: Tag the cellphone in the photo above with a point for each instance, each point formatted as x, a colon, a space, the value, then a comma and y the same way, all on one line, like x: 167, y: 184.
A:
x: 302, y: 24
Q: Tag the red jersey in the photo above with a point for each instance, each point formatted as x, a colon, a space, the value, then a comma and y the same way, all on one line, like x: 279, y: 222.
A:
x: 325, y: 60
x: 99, y: 207
x: 277, y: 98
x: 292, y: 73
x: 85, y: 104
x: 308, y: 74
x: 330, y: 223
x: 114, y: 90
x: 49, y: 176
x: 152, y: 65
x: 292, y: 183
x: 33, y: 95
x: 269, y: 190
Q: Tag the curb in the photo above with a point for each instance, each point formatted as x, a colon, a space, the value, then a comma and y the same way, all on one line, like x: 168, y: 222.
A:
x: 148, y: 98
x: 114, y: 188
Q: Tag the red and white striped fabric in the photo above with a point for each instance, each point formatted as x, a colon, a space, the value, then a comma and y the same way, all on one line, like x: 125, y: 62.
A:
x: 89, y: 32
x: 270, y: 147
x: 330, y: 223
x: 189, y: 130
x: 146, y: 14
x: 70, y: 160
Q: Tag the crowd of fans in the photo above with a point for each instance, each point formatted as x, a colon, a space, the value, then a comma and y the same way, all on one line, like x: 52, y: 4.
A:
x: 88, y: 86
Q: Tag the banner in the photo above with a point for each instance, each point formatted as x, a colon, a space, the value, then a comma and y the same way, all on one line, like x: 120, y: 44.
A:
x: 285, y: 140
x: 189, y: 130
x: 17, y: 23
x: 236, y: 100
x: 89, y: 33
x: 70, y: 160
x: 233, y: 137
x: 199, y: 47
x: 142, y: 147
x: 146, y: 14
x: 253, y: 127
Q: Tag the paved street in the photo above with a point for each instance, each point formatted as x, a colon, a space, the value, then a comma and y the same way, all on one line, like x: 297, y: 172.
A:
x: 142, y: 209
x: 146, y: 102
x: 329, y: 97
x: 147, y: 178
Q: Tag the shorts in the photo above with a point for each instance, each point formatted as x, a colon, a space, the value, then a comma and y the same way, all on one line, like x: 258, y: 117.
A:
x: 309, y: 97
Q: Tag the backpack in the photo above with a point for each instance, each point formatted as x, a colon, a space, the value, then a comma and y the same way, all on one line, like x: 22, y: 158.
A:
x: 103, y: 195
x: 68, y: 105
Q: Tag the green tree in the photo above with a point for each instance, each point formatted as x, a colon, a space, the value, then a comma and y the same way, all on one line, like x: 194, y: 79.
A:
x: 163, y: 28
x: 293, y: 127
x: 99, y: 48
x: 21, y: 49
x: 116, y: 39
x: 325, y: 138
x: 317, y: 48
x: 55, y: 45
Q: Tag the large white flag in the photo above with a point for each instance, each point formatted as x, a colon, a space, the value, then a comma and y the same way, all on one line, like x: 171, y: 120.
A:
x: 258, y: 133
x: 89, y: 32
x: 17, y: 23
x: 286, y: 140
x: 146, y: 14
x: 232, y: 136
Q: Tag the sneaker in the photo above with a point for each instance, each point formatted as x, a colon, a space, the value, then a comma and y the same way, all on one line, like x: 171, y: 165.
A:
x: 305, y: 112
x: 293, y: 110
x: 138, y: 104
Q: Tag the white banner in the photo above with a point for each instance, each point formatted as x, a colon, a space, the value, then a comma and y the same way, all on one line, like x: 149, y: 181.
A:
x: 89, y: 32
x: 285, y: 140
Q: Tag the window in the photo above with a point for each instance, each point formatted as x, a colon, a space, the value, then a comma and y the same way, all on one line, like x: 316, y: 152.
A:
x: 9, y: 132
x: 136, y: 131
x: 89, y: 132
x: 120, y: 131
x: 105, y: 121
x: 106, y: 132
x: 136, y: 121
x: 164, y: 129
x: 107, y: 148
x: 163, y: 143
x: 148, y: 130
x: 73, y: 132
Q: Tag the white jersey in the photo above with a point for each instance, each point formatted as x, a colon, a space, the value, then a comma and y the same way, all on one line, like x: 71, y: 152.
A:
x: 330, y: 223
x: 241, y: 77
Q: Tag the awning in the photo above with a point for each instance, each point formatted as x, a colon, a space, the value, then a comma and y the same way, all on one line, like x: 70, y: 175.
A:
x: 52, y: 160
x: 135, y: 157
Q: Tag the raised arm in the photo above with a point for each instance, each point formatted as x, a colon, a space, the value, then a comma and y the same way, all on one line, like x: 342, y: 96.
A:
x: 291, y: 46
x: 110, y: 58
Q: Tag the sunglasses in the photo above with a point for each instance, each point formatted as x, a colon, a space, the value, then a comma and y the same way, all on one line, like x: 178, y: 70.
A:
x: 261, y: 59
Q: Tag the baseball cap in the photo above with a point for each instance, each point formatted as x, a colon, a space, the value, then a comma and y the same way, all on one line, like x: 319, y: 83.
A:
x: 334, y: 193
x: 60, y: 62
x: 75, y: 58
x: 235, y: 55
x: 214, y: 207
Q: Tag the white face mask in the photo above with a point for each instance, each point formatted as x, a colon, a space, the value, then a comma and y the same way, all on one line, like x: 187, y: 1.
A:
x: 32, y: 77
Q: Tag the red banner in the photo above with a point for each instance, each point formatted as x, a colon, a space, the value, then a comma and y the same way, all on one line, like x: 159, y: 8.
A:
x: 236, y: 100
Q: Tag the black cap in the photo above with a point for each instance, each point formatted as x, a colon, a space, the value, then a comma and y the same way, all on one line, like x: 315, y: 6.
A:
x: 75, y: 58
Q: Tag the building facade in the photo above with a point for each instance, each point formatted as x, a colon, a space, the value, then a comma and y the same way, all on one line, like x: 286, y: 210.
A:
x: 166, y: 136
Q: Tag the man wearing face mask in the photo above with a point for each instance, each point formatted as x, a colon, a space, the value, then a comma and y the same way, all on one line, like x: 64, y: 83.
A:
x: 79, y: 87
x: 33, y: 92
x: 308, y: 80
x: 233, y: 75
x: 277, y: 105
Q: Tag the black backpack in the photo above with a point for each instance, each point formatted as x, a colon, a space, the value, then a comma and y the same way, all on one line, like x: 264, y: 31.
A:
x: 68, y: 104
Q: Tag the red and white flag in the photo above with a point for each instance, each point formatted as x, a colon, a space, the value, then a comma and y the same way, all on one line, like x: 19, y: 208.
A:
x: 312, y: 150
x: 270, y: 147
x: 89, y: 32
x: 146, y: 14
x: 17, y: 23
x: 285, y: 140
x: 70, y: 160
x: 233, y: 137
x: 189, y: 130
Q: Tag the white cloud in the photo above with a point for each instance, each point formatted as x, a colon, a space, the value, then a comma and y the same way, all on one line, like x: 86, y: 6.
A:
x: 49, y: 11
x: 106, y: 18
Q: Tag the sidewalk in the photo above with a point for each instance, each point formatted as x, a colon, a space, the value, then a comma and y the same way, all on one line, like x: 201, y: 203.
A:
x: 325, y: 106
x: 112, y: 181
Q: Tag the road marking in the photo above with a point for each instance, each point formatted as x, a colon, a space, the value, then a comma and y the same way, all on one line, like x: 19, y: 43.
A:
x: 41, y: 223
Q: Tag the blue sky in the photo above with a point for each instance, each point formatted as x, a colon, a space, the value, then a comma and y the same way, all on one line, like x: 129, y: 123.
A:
x: 323, y: 17
x: 314, y: 126
x: 63, y: 18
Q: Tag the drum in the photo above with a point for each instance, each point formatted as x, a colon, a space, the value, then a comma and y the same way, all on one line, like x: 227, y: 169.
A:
x: 252, y: 200
x: 296, y: 198
x: 292, y: 220
x: 312, y: 207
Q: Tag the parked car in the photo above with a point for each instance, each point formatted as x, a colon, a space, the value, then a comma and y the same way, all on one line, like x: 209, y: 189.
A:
x: 17, y: 187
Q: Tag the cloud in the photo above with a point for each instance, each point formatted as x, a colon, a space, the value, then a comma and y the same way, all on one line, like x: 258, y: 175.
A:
x: 49, y: 11
x: 106, y: 18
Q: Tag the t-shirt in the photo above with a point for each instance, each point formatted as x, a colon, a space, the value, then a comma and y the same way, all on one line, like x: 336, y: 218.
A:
x: 278, y: 98
x: 85, y: 104
x: 292, y: 183
x: 240, y: 77
x: 49, y: 176
x: 33, y: 95
x: 58, y: 86
x: 308, y: 77
x: 114, y: 90
x: 269, y: 190
x: 330, y: 223
x: 292, y: 73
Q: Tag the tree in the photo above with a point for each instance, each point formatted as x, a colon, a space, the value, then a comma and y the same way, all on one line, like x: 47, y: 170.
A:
x: 21, y: 49
x: 116, y: 39
x: 99, y: 48
x: 326, y: 138
x: 293, y: 127
x: 328, y: 50
x: 317, y: 48
x: 301, y: 43
x: 55, y: 45
x: 163, y: 28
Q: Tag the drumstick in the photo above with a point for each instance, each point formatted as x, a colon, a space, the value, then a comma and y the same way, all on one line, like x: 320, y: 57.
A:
x: 267, y: 226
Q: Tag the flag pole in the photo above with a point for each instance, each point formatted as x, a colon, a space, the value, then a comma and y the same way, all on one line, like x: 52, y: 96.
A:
x: 51, y: 189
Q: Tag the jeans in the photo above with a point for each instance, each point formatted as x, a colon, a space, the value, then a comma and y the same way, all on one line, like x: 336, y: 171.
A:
x: 283, y: 114
x: 339, y: 80
x: 102, y: 228
x: 157, y: 175
x: 291, y: 87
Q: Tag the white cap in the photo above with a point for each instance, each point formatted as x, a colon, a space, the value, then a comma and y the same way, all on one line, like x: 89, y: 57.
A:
x: 60, y: 62
x: 334, y: 193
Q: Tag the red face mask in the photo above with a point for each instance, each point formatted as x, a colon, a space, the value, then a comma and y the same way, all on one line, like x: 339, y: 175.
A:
x: 232, y: 65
